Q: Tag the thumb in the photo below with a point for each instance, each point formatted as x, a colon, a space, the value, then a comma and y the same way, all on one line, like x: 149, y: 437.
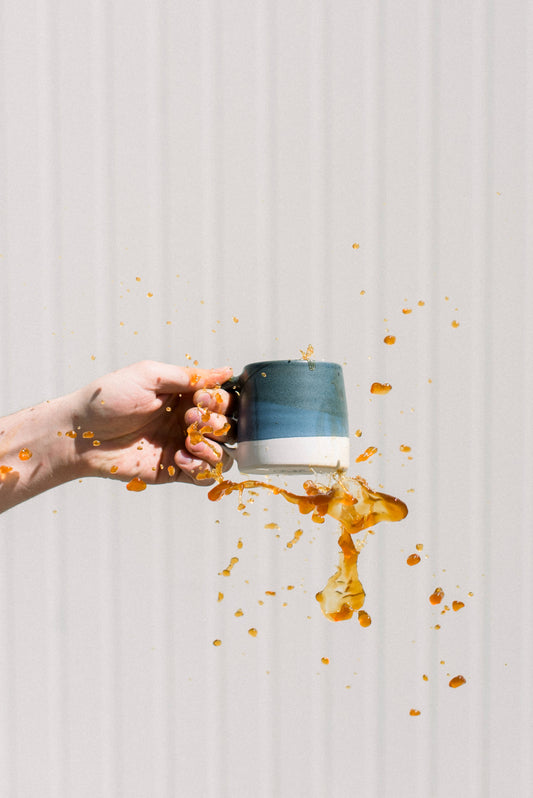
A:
x: 167, y: 378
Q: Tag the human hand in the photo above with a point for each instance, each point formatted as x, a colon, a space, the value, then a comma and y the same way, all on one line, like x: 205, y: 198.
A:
x: 133, y: 423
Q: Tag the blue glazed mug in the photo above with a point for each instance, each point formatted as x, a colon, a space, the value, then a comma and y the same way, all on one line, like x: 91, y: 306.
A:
x: 291, y: 418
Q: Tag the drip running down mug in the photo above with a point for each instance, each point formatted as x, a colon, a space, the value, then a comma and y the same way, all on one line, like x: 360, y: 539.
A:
x: 291, y: 418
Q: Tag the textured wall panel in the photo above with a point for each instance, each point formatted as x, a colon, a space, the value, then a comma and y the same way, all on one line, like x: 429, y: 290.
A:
x: 188, y: 179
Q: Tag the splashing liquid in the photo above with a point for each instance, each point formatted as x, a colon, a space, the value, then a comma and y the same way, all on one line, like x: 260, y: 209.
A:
x: 380, y: 388
x: 457, y: 681
x: 357, y: 507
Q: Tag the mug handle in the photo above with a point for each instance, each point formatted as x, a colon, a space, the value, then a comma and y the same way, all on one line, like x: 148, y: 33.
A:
x: 233, y: 386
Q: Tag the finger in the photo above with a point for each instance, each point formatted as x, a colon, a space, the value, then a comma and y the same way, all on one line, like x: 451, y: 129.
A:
x: 190, y: 467
x: 167, y: 378
x: 205, y: 449
x: 217, y: 400
x: 195, y: 469
x: 212, y: 425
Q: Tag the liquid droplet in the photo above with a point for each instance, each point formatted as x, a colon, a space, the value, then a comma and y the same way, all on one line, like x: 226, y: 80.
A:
x: 136, y: 484
x: 457, y: 681
x: 380, y: 388
x: 437, y: 596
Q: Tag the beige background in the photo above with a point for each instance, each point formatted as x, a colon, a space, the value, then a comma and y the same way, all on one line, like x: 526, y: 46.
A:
x: 245, y: 146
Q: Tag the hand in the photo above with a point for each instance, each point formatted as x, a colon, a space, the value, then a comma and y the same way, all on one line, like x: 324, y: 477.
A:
x: 139, y: 419
x: 141, y: 423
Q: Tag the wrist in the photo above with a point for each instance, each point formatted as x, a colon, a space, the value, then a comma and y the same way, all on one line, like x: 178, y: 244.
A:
x: 35, y: 452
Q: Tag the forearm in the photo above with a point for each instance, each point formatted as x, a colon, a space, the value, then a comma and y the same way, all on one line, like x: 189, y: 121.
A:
x: 35, y: 452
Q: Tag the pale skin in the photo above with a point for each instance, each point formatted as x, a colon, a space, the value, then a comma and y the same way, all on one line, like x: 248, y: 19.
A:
x: 138, y: 417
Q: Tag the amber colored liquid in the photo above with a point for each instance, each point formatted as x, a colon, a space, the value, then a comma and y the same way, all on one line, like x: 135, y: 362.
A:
x: 297, y: 535
x: 389, y: 339
x: 308, y: 354
x: 380, y: 387
x: 25, y: 454
x: 136, y: 484
x: 413, y: 559
x: 232, y: 564
x: 414, y: 712
x: 437, y: 596
x: 366, y: 454
x: 364, y: 618
x: 457, y: 681
x: 457, y: 605
x: 357, y: 507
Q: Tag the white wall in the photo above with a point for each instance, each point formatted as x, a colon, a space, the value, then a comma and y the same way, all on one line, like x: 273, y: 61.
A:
x: 245, y: 146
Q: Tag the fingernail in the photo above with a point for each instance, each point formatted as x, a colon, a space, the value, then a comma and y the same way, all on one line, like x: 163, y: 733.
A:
x: 203, y: 399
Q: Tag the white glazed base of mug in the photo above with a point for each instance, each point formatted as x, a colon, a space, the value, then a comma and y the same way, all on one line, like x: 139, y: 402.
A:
x: 293, y: 455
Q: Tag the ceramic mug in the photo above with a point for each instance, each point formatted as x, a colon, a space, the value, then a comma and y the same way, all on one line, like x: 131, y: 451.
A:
x: 291, y: 417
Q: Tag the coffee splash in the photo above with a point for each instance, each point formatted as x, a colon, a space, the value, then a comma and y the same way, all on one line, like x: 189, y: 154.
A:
x: 356, y: 507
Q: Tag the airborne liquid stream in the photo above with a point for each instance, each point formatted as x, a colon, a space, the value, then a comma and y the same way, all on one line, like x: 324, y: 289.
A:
x: 357, y: 507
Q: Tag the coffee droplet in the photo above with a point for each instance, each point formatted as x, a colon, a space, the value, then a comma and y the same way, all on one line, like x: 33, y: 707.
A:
x: 380, y: 387
x: 437, y: 596
x: 457, y: 605
x: 389, y: 339
x: 413, y: 559
x: 136, y: 484
x: 25, y: 454
x: 457, y: 681
x: 364, y: 618
x: 366, y: 454
x: 227, y: 571
x: 297, y: 535
x: 414, y: 712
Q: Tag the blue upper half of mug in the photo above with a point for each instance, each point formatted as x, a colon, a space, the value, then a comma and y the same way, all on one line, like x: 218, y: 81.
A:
x: 290, y: 399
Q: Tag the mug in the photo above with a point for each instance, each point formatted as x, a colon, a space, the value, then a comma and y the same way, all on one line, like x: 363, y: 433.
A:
x: 291, y: 418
